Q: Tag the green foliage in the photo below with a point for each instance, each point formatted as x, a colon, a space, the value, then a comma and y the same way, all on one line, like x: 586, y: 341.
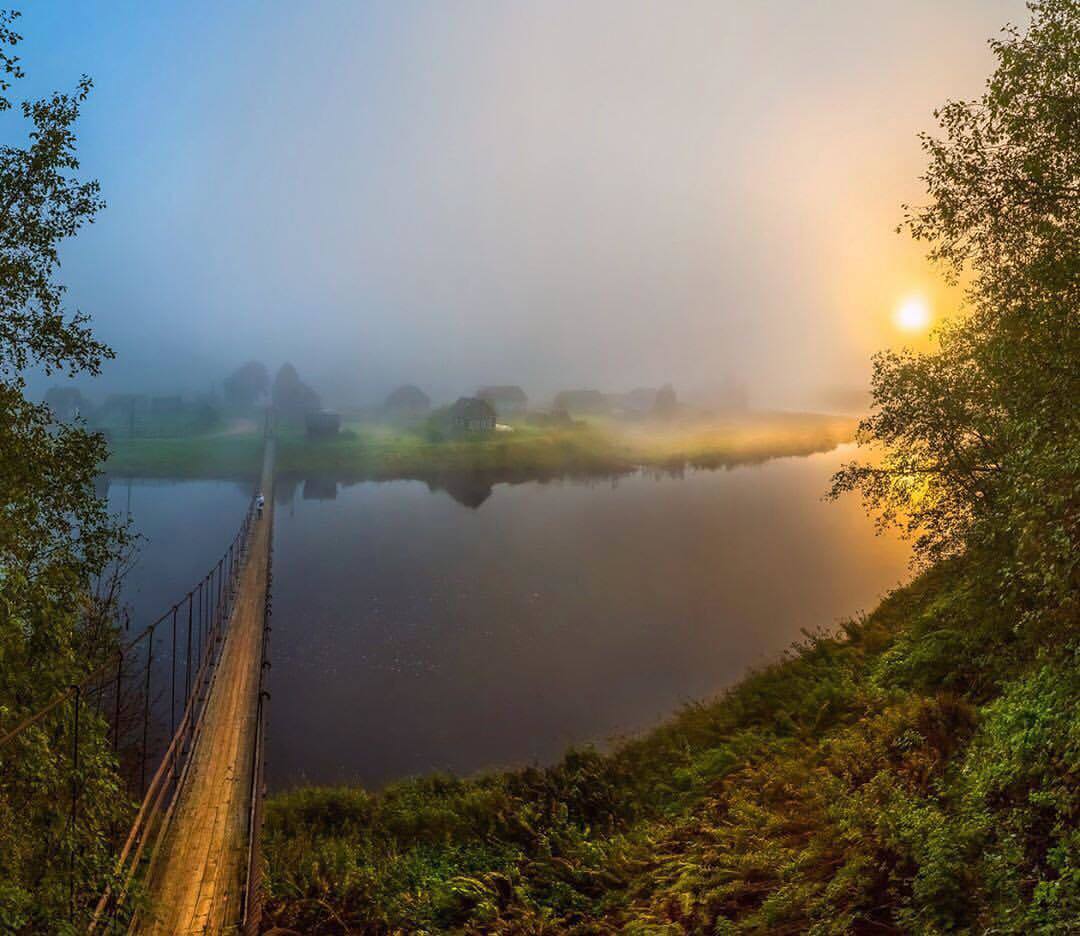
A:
x: 1019, y: 790
x: 55, y: 535
x: 980, y: 438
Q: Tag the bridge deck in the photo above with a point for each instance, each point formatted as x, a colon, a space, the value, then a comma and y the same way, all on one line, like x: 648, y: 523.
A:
x: 195, y: 881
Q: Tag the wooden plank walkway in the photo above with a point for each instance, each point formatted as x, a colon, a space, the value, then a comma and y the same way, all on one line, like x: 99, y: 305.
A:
x: 196, y: 877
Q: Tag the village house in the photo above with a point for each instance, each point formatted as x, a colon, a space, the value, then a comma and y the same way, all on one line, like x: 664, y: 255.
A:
x: 471, y: 414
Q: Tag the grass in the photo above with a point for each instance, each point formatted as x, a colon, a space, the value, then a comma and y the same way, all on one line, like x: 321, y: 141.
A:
x: 848, y: 788
x: 372, y: 451
x: 205, y: 456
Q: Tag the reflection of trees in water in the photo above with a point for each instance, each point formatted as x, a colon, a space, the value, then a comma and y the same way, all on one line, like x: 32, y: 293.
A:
x: 285, y: 488
x: 320, y: 488
x: 470, y: 488
x: 473, y: 487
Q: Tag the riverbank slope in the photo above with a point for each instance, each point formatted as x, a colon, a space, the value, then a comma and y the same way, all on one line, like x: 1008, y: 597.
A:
x: 914, y: 772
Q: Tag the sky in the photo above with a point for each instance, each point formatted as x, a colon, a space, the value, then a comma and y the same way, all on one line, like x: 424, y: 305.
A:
x: 558, y: 193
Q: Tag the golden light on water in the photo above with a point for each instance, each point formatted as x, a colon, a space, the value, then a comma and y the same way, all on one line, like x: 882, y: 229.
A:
x: 912, y: 314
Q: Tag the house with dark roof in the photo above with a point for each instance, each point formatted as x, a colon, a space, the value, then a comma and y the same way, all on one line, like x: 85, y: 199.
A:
x: 471, y: 414
x: 508, y: 400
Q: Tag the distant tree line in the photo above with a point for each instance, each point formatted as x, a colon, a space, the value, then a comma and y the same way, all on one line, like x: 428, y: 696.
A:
x: 249, y: 386
x: 134, y: 414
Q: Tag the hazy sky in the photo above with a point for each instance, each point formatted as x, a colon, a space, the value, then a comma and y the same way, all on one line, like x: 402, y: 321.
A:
x: 585, y: 193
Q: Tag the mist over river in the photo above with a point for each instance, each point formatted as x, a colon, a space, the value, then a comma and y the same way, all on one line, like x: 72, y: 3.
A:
x: 467, y: 625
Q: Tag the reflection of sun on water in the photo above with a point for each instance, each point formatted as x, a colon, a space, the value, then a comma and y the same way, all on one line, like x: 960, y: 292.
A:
x: 912, y: 315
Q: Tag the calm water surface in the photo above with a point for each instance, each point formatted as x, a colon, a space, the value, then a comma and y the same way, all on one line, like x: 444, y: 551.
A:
x: 464, y: 627
x: 184, y: 527
x: 414, y: 632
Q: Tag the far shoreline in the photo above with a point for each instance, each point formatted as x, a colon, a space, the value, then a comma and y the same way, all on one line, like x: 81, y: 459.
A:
x: 368, y: 450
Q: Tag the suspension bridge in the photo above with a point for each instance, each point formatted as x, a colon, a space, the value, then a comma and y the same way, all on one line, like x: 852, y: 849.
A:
x: 203, y: 875
x: 182, y: 706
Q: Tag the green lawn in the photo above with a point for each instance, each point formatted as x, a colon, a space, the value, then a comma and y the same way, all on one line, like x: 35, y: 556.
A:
x: 206, y: 456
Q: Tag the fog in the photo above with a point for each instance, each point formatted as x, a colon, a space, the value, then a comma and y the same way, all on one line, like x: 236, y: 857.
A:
x: 552, y: 194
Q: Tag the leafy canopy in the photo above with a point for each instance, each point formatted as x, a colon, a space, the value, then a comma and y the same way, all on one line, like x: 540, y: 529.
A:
x: 56, y: 537
x: 55, y: 534
x: 978, y: 440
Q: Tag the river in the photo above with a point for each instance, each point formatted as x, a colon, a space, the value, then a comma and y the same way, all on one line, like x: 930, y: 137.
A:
x: 466, y: 625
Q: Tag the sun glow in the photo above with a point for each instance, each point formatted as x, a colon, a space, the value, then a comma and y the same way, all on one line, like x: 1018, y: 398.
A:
x: 912, y: 315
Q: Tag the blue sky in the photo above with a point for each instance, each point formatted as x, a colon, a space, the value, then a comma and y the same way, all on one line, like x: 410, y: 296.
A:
x: 608, y: 192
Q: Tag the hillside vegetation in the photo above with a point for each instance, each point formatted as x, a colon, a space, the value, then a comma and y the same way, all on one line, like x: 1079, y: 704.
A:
x: 917, y: 772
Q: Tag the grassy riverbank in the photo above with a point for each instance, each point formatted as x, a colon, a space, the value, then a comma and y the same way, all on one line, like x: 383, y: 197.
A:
x: 368, y: 450
x: 917, y: 772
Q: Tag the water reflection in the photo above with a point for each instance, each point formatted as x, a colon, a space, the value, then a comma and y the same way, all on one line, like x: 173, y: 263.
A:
x: 411, y: 635
x: 463, y: 621
x: 182, y: 526
x: 320, y: 488
x: 470, y: 488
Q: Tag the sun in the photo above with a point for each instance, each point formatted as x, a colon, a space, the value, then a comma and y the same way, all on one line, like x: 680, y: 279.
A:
x: 912, y: 315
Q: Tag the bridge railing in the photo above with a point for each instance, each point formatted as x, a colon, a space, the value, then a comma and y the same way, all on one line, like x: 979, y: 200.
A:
x: 253, y: 879
x: 122, y: 711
